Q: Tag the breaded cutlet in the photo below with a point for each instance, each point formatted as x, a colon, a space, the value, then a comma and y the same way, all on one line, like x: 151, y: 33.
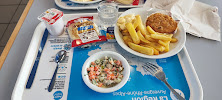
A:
x: 161, y: 23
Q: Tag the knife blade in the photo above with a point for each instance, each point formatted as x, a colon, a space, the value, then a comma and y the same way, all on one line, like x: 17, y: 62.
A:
x: 35, y: 66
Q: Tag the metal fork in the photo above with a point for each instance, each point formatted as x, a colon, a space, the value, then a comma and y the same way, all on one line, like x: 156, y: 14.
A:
x: 159, y: 74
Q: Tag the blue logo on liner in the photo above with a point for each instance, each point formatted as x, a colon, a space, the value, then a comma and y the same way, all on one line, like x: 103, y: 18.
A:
x: 67, y: 46
x: 58, y: 95
x: 85, y: 27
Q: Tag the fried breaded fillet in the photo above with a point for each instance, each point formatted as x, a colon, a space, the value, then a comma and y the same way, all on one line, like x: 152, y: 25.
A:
x: 161, y: 23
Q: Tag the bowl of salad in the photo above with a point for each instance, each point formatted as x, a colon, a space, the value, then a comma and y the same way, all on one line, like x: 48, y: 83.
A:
x: 105, y: 71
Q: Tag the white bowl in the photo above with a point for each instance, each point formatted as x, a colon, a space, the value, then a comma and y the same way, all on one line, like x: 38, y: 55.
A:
x: 99, y: 55
x: 144, y: 13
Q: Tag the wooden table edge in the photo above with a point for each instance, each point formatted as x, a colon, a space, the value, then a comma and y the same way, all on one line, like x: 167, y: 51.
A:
x: 14, y: 33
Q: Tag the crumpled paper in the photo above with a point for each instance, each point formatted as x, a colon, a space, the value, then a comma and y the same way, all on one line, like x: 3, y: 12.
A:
x: 198, y: 19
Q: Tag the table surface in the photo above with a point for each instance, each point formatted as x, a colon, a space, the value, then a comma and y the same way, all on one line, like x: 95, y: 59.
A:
x: 205, y: 54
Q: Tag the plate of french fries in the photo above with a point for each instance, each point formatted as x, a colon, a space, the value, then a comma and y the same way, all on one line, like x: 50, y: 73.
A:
x: 153, y: 40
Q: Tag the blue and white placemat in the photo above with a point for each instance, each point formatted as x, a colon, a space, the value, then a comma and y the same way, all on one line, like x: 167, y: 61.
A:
x: 140, y: 86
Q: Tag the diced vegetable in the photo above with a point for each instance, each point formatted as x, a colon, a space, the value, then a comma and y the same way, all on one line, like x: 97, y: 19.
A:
x: 105, y: 72
x: 93, y: 63
x: 100, y: 84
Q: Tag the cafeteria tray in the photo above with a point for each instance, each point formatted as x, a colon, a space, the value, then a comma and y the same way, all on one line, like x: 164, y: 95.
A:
x: 21, y: 93
x: 66, y: 4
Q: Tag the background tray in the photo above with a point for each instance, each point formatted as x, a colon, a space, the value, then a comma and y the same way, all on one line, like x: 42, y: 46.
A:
x: 66, y: 4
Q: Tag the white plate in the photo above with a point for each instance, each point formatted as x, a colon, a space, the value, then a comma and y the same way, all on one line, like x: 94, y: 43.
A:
x: 89, y: 2
x: 174, y: 47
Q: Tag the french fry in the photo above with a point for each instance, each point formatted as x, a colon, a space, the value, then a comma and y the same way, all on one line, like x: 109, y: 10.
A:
x: 125, y: 32
x: 133, y: 33
x: 140, y: 25
x: 157, y: 46
x: 159, y: 36
x: 156, y: 52
x: 164, y: 43
x: 127, y: 39
x: 150, y: 30
x: 140, y: 35
x: 135, y: 24
x: 173, y: 40
x: 137, y: 29
x: 149, y: 38
x: 141, y: 49
x: 162, y: 36
x: 167, y: 47
x: 142, y: 38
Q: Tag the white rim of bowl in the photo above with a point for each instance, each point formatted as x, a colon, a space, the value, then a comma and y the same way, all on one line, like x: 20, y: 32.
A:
x: 106, y: 90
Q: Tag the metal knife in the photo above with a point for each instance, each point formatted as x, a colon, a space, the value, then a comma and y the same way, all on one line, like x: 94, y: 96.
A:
x: 35, y: 66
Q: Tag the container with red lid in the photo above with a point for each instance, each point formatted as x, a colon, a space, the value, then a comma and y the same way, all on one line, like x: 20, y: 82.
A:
x: 53, y: 21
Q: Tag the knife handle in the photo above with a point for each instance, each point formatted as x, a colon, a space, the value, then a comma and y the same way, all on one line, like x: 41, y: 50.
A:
x: 32, y: 74
x: 35, y: 66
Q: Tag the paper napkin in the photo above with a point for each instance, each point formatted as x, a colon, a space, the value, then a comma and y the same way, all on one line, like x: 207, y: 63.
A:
x: 198, y: 19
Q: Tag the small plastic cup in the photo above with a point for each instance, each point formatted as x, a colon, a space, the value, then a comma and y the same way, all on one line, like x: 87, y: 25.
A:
x: 53, y: 21
x: 56, y: 28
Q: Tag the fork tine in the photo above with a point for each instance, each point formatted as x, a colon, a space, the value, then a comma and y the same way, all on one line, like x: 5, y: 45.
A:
x: 149, y: 63
x: 151, y: 68
x: 148, y: 69
x: 152, y: 65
